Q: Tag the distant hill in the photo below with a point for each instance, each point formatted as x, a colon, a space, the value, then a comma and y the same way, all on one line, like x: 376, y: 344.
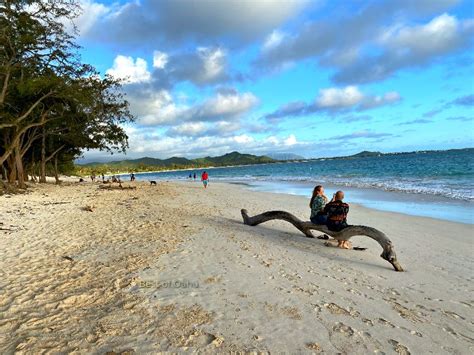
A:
x: 234, y: 158
x: 149, y: 164
x: 366, y: 154
x: 285, y: 156
x: 369, y: 154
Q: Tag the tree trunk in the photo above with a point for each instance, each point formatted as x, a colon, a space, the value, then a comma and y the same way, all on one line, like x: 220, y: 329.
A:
x: 19, y: 169
x: 306, y: 227
x: 42, y: 178
x: 4, y: 172
x: 56, y: 175
x: 11, y: 169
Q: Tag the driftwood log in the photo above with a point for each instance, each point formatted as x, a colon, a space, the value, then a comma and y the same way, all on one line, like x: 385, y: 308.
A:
x: 118, y: 187
x: 347, y: 233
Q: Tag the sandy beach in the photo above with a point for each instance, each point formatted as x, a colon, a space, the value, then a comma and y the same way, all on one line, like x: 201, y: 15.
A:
x: 172, y: 268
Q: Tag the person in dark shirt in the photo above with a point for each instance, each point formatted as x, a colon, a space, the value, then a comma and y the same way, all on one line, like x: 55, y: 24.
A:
x: 336, y: 212
x: 317, y: 204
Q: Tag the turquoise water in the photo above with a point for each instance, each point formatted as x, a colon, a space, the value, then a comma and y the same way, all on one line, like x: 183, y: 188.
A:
x: 442, y: 179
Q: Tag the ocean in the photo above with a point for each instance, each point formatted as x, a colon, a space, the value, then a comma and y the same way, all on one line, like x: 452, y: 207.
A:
x: 432, y: 184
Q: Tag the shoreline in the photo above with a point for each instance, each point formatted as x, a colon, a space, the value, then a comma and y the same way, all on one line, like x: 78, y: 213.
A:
x: 410, y: 204
x: 187, y: 169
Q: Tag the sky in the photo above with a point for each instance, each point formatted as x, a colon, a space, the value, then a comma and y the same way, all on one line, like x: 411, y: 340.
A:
x: 313, y: 78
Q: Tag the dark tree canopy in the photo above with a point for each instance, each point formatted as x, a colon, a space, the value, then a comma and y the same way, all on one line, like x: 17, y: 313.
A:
x: 52, y: 106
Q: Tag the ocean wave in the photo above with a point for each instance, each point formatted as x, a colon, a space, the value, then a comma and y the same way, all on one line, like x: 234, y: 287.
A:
x: 447, y: 174
x: 411, y: 187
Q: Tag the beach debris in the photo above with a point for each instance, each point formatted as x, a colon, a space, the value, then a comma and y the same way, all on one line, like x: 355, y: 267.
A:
x: 333, y: 243
x: 7, y: 229
x: 121, y: 352
x: 67, y: 258
x: 88, y: 208
x: 314, y: 346
x: 345, y: 234
x: 119, y: 187
x: 56, y: 203
x: 3, y: 227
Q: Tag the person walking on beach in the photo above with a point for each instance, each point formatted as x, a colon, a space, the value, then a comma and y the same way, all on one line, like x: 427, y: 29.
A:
x: 205, y: 179
x: 132, y: 177
x: 317, y: 204
x: 337, y: 211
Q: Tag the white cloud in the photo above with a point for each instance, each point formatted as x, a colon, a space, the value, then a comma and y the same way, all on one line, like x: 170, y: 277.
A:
x: 273, y: 40
x: 291, y: 140
x: 339, y: 98
x: 159, y: 59
x: 142, y: 142
x: 188, y: 129
x: 204, y: 66
x: 153, y: 22
x: 129, y: 70
x: 334, y: 100
x: 373, y: 43
x: 376, y: 101
x: 243, y: 139
x: 162, y: 110
x: 214, y: 61
x: 227, y: 104
x: 200, y: 129
x: 438, y: 35
x: 91, y: 13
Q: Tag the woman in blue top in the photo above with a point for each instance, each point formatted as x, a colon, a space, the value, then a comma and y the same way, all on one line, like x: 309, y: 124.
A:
x: 317, y: 203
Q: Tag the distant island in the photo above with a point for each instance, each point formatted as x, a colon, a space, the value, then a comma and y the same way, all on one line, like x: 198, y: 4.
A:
x: 147, y: 164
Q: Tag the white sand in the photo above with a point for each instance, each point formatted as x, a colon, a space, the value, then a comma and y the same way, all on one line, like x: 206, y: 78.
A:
x: 172, y: 268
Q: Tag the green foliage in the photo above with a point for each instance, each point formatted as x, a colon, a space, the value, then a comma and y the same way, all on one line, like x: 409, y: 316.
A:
x: 52, y: 106
x: 175, y: 163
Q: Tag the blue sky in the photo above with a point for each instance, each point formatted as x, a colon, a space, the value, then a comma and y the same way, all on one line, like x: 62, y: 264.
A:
x: 314, y: 78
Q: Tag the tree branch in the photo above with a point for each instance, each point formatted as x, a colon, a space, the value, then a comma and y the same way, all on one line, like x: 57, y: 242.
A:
x: 345, y: 234
x: 54, y: 153
x: 32, y: 107
x: 5, y: 86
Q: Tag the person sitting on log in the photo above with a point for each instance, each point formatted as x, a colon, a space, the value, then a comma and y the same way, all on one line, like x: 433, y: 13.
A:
x: 317, y: 204
x: 337, y: 211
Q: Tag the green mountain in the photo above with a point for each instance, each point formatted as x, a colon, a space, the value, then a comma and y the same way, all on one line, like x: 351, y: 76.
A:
x: 149, y: 164
x: 234, y: 158
x: 366, y: 154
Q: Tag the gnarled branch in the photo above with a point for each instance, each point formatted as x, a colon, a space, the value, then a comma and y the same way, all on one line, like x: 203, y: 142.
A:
x: 345, y: 234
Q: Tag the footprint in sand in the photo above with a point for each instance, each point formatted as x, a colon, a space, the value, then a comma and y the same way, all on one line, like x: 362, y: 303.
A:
x: 343, y: 329
x: 336, y: 309
x: 368, y: 322
x: 453, y: 315
x: 345, y: 338
x: 199, y: 339
x: 385, y: 322
x: 399, y: 348
x: 406, y: 313
x: 315, y: 347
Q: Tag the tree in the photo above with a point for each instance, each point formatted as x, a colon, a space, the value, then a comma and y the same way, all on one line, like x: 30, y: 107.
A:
x: 51, y: 105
